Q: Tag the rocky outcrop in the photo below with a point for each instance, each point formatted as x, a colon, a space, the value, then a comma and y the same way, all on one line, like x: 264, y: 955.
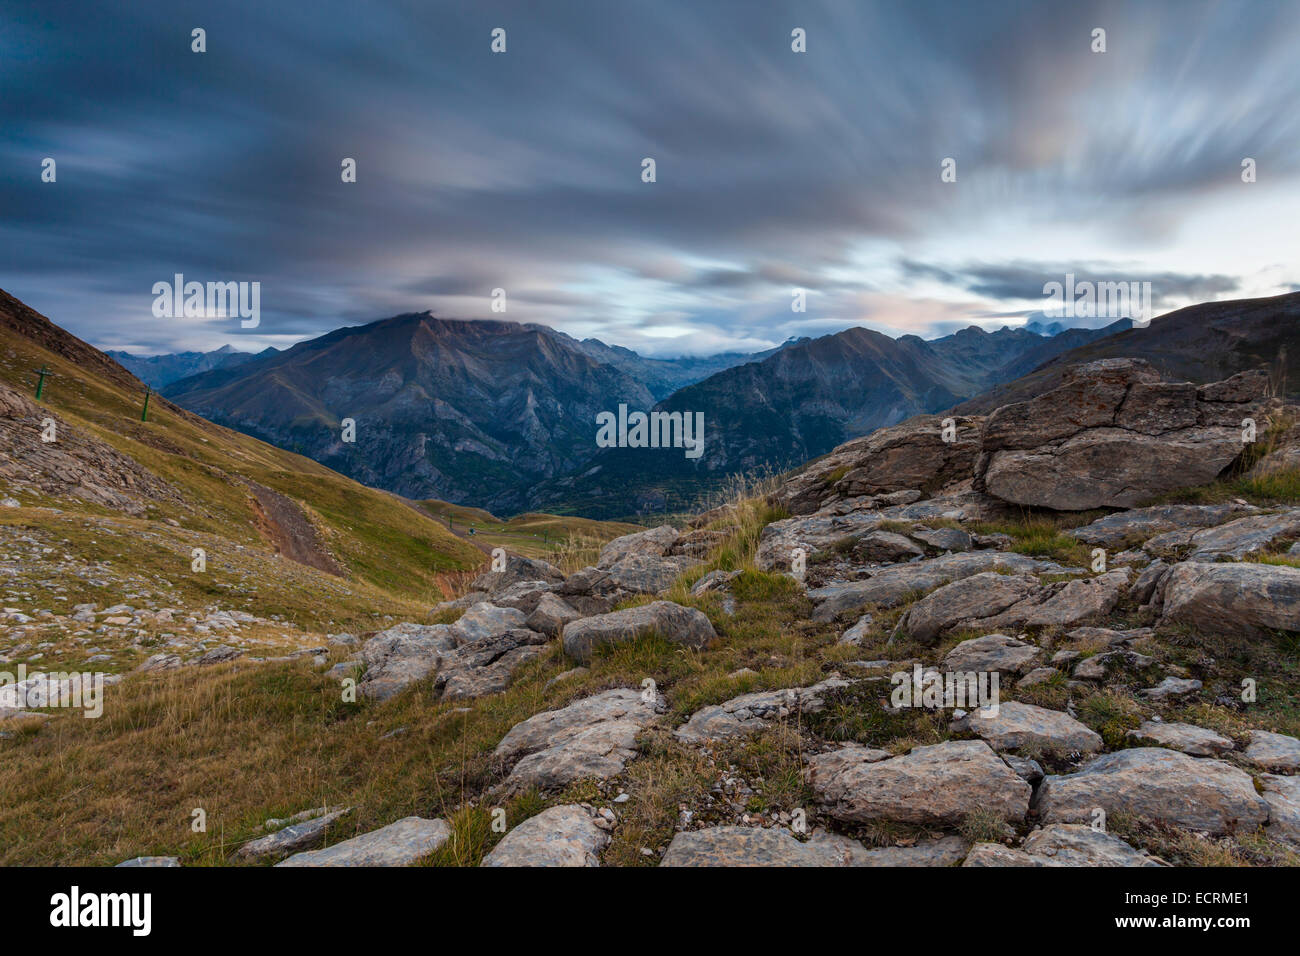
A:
x: 1156, y: 784
x: 1140, y: 524
x: 1113, y: 434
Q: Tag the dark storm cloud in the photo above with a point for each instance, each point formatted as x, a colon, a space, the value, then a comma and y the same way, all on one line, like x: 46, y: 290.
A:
x: 1019, y: 280
x: 522, y: 171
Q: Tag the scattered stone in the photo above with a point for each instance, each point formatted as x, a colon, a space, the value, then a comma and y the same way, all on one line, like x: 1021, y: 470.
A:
x: 733, y: 846
x: 1230, y: 598
x: 992, y: 652
x: 1185, y: 738
x: 152, y: 861
x: 1275, y: 752
x: 304, y: 835
x: 751, y: 713
x: 1171, y: 687
x: 1016, y: 726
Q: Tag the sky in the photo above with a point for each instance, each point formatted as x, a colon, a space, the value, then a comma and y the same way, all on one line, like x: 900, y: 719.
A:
x: 775, y: 170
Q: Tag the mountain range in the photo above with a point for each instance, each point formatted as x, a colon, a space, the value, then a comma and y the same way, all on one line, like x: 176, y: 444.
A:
x: 502, y: 415
x: 158, y: 371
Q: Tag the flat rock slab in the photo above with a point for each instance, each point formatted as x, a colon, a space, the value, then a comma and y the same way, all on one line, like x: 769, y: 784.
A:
x: 747, y: 847
x: 1156, y: 784
x: 1228, y: 598
x: 151, y: 861
x: 655, y: 542
x: 1062, y: 844
x: 1017, y: 725
x: 398, y: 844
x: 592, y: 737
x: 303, y: 835
x: 992, y: 652
x: 1123, y: 527
x: 938, y: 784
x: 680, y: 625
x: 1062, y: 604
x: 1185, y: 738
x: 1235, y: 540
x: 888, y: 586
x: 751, y: 713
x: 1275, y: 752
x: 558, y: 836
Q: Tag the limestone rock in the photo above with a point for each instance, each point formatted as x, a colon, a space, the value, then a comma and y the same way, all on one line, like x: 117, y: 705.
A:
x: 558, y: 836
x: 1233, y: 598
x: 751, y: 713
x: 1185, y: 738
x: 672, y: 622
x: 1016, y: 726
x: 1275, y: 752
x: 398, y: 844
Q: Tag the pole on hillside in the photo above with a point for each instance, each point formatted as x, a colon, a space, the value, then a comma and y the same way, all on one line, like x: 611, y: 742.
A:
x: 40, y: 382
x: 144, y: 415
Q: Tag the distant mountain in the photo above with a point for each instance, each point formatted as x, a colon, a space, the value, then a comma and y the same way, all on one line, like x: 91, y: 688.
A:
x: 799, y: 404
x: 468, y: 411
x: 1201, y: 343
x: 665, y: 376
x: 161, y: 370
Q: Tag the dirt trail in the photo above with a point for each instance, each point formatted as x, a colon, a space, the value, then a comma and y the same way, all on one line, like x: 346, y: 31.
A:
x: 289, y: 530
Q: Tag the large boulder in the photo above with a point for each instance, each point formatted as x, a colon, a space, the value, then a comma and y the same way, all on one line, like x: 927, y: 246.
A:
x: 672, y: 622
x: 1112, y: 435
x: 911, y: 455
x: 516, y: 570
x: 979, y: 595
x: 1152, y: 783
x: 940, y: 784
x: 655, y: 543
x: 1231, y: 598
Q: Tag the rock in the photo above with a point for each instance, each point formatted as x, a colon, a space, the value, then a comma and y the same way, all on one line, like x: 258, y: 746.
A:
x: 747, y: 847
x: 1282, y: 794
x: 1062, y: 844
x: 644, y: 574
x: 1185, y: 738
x: 592, y: 737
x: 1108, y: 636
x: 672, y: 622
x: 1248, y: 599
x: 1170, y: 687
x: 905, y: 457
x: 398, y: 844
x: 558, y: 836
x: 550, y: 615
x: 486, y: 666
x: 885, y: 547
x: 778, y: 540
x: 938, y: 784
x: 1152, y: 783
x: 219, y: 655
x: 984, y: 594
x: 160, y: 662
x: 1039, y: 675
x: 888, y: 586
x: 1016, y: 726
x: 152, y: 861
x: 1275, y: 752
x: 992, y: 652
x: 1235, y: 540
x: 713, y: 581
x: 1030, y: 771
x: 517, y: 569
x: 485, y: 620
x: 522, y: 596
x: 1148, y: 582
x: 1140, y: 524
x: 945, y: 851
x: 945, y: 539
x: 1109, y: 436
x: 698, y: 544
x: 653, y: 543
x: 751, y: 713
x: 303, y: 835
x: 1063, y: 603
x: 396, y: 658
x: 855, y: 634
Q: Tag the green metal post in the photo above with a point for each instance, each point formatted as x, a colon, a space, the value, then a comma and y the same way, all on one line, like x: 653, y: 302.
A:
x: 144, y: 415
x: 40, y: 382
